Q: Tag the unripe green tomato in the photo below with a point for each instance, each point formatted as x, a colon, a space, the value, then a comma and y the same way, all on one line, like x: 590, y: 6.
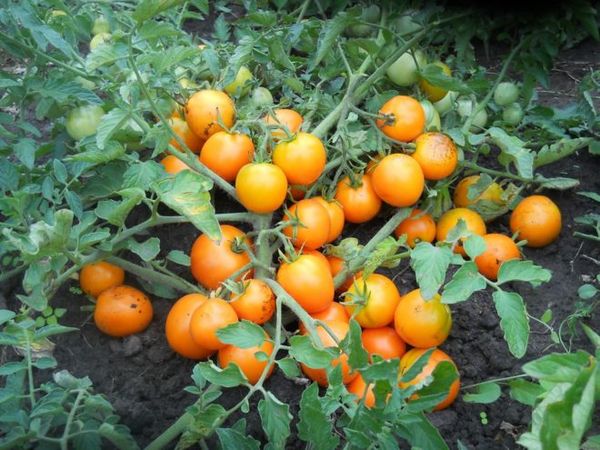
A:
x: 432, y: 118
x: 262, y: 96
x: 513, y: 114
x: 464, y: 107
x: 101, y: 25
x: 100, y: 38
x: 83, y: 121
x: 506, y: 93
x: 85, y: 83
x: 479, y: 120
x: 238, y: 85
x: 405, y: 70
x: 446, y: 104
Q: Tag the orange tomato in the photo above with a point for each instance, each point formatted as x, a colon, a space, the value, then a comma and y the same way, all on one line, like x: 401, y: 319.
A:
x: 319, y: 255
x: 499, y: 248
x: 97, y: 277
x: 256, y: 303
x: 418, y: 227
x: 335, y: 311
x: 436, y: 154
x: 492, y: 193
x: 336, y: 265
x: 449, y: 220
x: 181, y: 129
x: 213, y: 262
x: 122, y: 310
x: 359, y: 202
x: 435, y: 93
x: 302, y: 159
x: 340, y: 330
x: 380, y: 297
x: 422, y: 323
x: 307, y: 282
x: 358, y: 387
x: 246, y: 360
x: 207, y: 319
x: 226, y: 153
x: 204, y: 110
x: 435, y: 358
x: 336, y: 218
x: 173, y: 164
x: 398, y: 180
x: 284, y: 117
x: 408, y: 118
x: 313, y: 230
x: 177, y: 327
x: 536, y: 219
x: 261, y: 187
x: 384, y: 342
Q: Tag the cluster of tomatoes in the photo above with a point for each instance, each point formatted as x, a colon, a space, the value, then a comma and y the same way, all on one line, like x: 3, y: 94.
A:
x: 389, y: 320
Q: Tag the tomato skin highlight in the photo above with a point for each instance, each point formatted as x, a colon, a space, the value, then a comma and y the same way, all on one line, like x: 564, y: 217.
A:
x: 302, y: 159
x: 261, y: 187
x: 382, y: 299
x: 360, y: 203
x: 177, y: 327
x: 122, y: 311
x: 97, y: 277
x: 313, y: 230
x: 398, y: 180
x: 225, y: 153
x: 408, y: 118
x: 383, y: 342
x: 204, y: 108
x: 536, y: 219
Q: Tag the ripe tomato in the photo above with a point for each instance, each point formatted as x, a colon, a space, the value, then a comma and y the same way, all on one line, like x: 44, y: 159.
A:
x: 226, y: 153
x: 173, y: 165
x: 336, y: 217
x: 408, y: 119
x: 284, y: 118
x: 506, y: 93
x: 239, y: 85
x: 256, y: 303
x: 435, y: 93
x: 405, y: 70
x: 499, y: 248
x: 246, y: 360
x: 261, y: 187
x: 398, y: 180
x: 418, y: 227
x: 435, y: 358
x: 336, y: 265
x: 213, y: 262
x: 340, y: 330
x: 207, y: 319
x: 122, y: 310
x: 436, y: 154
x: 358, y: 387
x: 205, y: 108
x: 379, y: 296
x: 384, y: 342
x: 83, y: 121
x: 302, y: 159
x: 537, y: 219
x: 97, y: 277
x: 492, y: 193
x: 306, y: 281
x: 449, y: 220
x: 320, y: 256
x: 313, y: 230
x: 359, y: 202
x: 422, y: 323
x: 181, y: 129
x: 335, y: 311
x: 177, y: 327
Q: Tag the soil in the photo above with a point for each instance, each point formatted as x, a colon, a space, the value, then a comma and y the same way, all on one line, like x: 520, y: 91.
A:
x: 144, y: 379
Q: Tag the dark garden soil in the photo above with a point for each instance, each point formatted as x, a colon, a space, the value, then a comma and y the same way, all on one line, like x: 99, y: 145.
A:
x: 144, y: 379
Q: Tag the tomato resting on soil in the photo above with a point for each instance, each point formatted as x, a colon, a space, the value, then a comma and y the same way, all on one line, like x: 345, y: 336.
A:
x: 122, y: 310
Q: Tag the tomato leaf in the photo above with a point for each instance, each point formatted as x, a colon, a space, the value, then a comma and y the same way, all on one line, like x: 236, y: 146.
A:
x: 382, y: 370
x: 25, y: 151
x: 314, y: 426
x: 558, y: 150
x: 147, y: 250
x: 243, y: 334
x: 352, y: 346
x: 303, y: 350
x: 436, y: 76
x: 513, y: 150
x: 230, y: 376
x: 518, y: 270
x: 232, y: 439
x: 430, y: 264
x: 118, y: 435
x: 557, y: 367
x: 474, y: 246
x: 436, y: 389
x: 525, y: 391
x: 328, y: 37
x: 115, y: 212
x: 463, y: 284
x: 179, y: 257
x: 111, y: 122
x: 484, y: 393
x: 289, y: 367
x: 513, y: 321
x: 147, y: 9
x: 421, y: 433
x: 275, y: 418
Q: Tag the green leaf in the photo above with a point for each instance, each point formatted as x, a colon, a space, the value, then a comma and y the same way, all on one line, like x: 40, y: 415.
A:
x: 592, y: 443
x: 518, y: 270
x: 474, y: 246
x: 188, y: 194
x: 118, y: 435
x: 111, y: 123
x: 558, y: 183
x: 179, y: 257
x: 243, y: 334
x: 421, y: 433
x: 276, y: 418
x: 142, y: 174
x: 587, y: 291
x: 417, y: 366
x: 115, y: 212
x: 289, y: 367
x: 279, y: 56
x: 45, y: 362
x: 513, y: 320
x: 328, y: 36
x: 147, y: 9
x: 557, y: 367
x: 314, y: 426
x: 113, y: 150
x: 9, y: 176
x: 463, y: 284
x: 430, y: 264
x: 382, y: 370
x: 591, y: 195
x: 303, y: 350
x: 12, y: 367
x: 352, y: 346
x: 205, y: 419
x: 560, y: 149
x: 592, y: 335
x: 514, y: 150
x: 484, y: 393
x: 25, y: 150
x: 147, y: 250
x: 232, y: 439
x: 436, y: 76
x: 525, y: 391
x: 6, y: 315
x: 436, y: 388
x: 51, y: 330
x: 230, y: 376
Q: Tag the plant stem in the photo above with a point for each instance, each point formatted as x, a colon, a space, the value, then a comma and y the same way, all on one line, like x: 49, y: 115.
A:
x: 496, y: 380
x: 498, y: 173
x: 29, y: 369
x: 264, y: 252
x: 235, y: 217
x: 172, y: 432
x: 64, y: 441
